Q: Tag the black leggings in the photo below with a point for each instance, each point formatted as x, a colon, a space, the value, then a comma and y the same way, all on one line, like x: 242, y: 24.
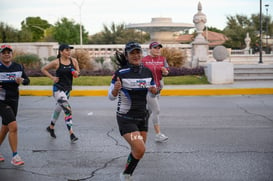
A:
x: 130, y: 124
x: 8, y: 111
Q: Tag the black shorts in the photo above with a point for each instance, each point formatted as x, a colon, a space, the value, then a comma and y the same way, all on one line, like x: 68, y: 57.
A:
x: 8, y: 111
x: 129, y: 124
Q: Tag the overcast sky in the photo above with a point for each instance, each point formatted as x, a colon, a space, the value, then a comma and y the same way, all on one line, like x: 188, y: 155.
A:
x: 95, y: 13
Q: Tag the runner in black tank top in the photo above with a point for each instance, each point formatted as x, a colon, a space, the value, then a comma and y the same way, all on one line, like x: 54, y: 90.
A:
x: 65, y: 76
x: 66, y: 68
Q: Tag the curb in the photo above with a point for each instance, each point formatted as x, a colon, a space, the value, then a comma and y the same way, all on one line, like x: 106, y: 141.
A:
x: 166, y: 92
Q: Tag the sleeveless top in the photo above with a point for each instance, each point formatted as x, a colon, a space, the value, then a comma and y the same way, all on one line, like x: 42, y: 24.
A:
x: 65, y: 77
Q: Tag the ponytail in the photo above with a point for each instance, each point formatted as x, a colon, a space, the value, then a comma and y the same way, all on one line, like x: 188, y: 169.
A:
x: 120, y: 59
x: 59, y: 54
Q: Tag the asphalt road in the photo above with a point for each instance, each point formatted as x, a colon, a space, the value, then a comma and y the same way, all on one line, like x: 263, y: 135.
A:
x: 211, y: 138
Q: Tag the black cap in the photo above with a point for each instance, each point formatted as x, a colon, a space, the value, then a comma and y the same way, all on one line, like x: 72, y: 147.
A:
x: 132, y: 46
x: 64, y: 46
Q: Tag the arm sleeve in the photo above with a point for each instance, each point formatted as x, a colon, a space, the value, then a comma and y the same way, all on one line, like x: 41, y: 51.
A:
x: 112, y: 85
x: 110, y: 95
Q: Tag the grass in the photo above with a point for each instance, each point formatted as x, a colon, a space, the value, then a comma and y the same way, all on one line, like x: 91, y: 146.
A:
x: 105, y: 80
x: 185, y: 80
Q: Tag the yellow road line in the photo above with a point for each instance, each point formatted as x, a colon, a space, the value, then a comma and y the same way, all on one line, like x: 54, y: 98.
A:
x: 166, y: 92
x: 203, y: 92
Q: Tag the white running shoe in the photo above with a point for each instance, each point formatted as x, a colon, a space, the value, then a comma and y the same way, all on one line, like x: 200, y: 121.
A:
x: 160, y: 137
x: 17, y: 161
x: 125, y: 177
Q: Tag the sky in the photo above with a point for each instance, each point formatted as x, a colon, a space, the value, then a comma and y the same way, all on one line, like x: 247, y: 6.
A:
x: 96, y: 13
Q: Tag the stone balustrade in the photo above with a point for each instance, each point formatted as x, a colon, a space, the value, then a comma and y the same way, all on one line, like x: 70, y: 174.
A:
x: 47, y: 49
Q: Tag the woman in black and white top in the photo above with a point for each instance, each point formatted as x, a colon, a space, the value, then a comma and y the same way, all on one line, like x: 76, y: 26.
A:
x: 130, y: 85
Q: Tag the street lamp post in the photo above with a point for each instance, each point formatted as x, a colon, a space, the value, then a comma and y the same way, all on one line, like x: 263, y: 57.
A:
x: 266, y: 38
x: 80, y: 8
x: 261, y: 59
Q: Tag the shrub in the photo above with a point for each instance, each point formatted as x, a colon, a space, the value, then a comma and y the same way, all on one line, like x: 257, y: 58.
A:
x: 17, y: 52
x: 173, y: 71
x: 37, y: 72
x: 30, y: 61
x: 114, y: 62
x: 51, y: 58
x: 104, y: 72
x: 83, y: 58
x: 175, y: 57
x: 101, y: 72
x: 99, y: 60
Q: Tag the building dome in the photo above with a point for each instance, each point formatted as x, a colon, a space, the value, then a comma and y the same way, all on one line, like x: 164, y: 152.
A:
x: 161, y: 29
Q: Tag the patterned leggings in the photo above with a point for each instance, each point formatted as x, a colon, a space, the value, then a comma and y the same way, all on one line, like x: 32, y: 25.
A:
x: 62, y: 104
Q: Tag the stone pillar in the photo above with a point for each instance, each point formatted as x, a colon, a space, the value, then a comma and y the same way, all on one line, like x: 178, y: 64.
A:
x: 200, y: 44
x: 220, y: 72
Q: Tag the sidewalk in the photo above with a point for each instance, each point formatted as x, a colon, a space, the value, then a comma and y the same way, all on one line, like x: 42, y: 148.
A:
x: 237, y: 88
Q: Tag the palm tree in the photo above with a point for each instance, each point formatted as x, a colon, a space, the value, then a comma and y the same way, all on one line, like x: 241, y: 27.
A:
x: 118, y: 34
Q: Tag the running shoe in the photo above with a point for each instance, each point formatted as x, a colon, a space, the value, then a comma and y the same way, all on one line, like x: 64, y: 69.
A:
x: 17, y: 161
x: 125, y: 177
x: 51, y: 132
x: 73, y: 138
x: 160, y: 137
x: 2, y: 159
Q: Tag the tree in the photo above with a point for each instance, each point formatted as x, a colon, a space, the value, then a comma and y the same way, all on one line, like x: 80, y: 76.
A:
x: 36, y: 26
x: 239, y: 25
x: 118, y: 34
x: 8, y: 33
x: 214, y: 29
x: 48, y: 35
x: 67, y: 31
x: 25, y: 36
